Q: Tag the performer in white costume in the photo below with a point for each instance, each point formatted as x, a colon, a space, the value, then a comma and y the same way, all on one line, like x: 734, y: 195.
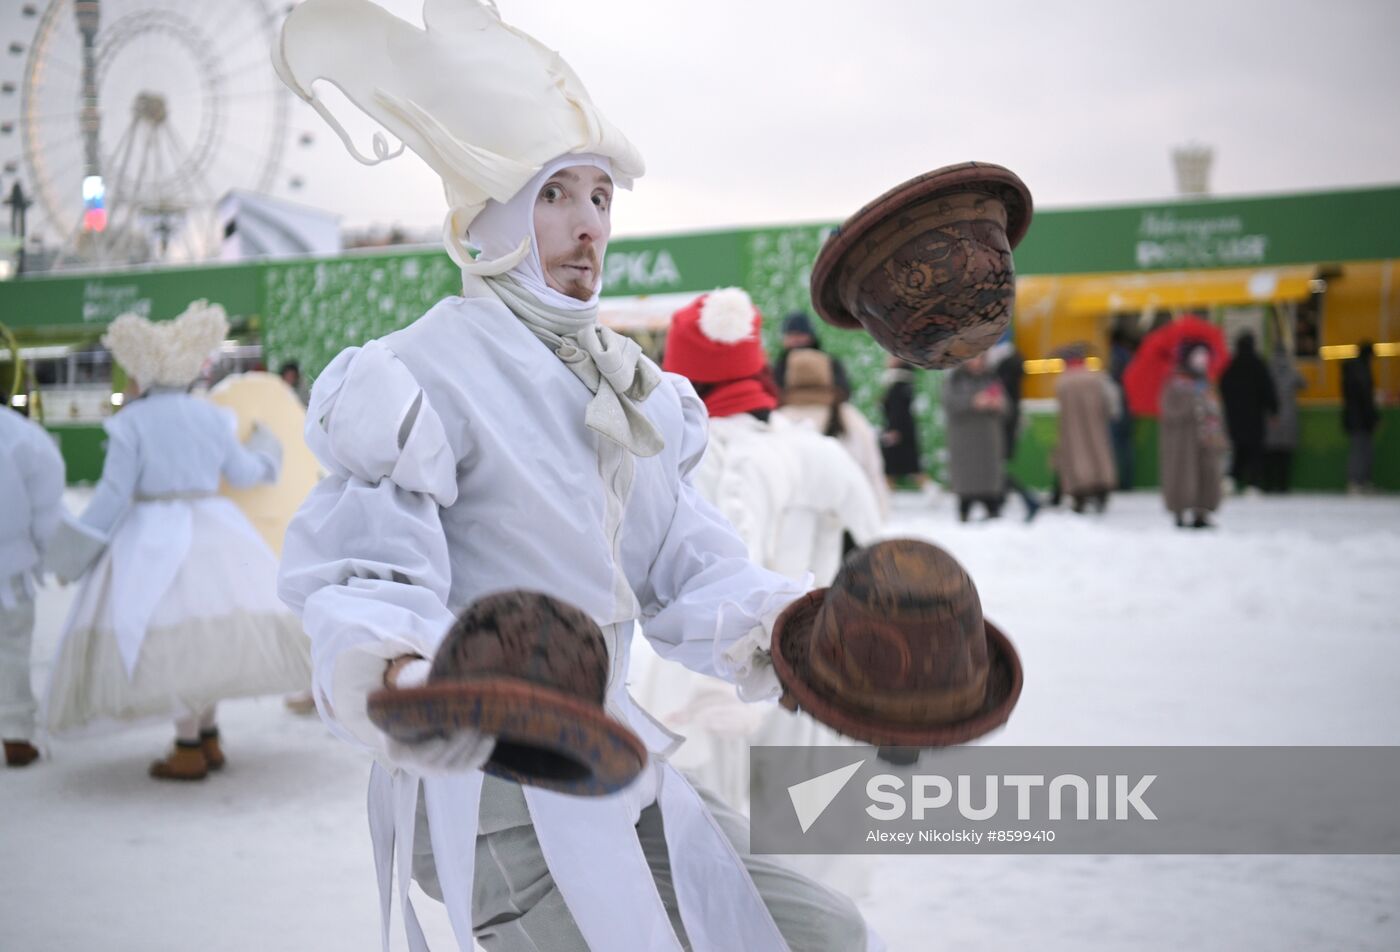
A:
x: 179, y: 610
x: 791, y: 494
x: 505, y: 440
x: 31, y: 502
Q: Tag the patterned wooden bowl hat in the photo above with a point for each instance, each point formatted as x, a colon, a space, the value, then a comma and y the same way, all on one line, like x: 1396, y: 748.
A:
x: 531, y: 671
x: 926, y: 268
x: 896, y: 652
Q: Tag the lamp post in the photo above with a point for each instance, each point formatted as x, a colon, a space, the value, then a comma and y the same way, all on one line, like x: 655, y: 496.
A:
x: 19, y: 203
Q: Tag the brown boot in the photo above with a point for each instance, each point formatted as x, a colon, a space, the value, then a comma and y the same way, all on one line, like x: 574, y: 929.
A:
x: 186, y: 762
x: 213, y: 753
x: 20, y: 753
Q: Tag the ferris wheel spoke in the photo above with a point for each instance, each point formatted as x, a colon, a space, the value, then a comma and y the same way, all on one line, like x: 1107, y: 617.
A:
x: 122, y: 157
x: 183, y: 173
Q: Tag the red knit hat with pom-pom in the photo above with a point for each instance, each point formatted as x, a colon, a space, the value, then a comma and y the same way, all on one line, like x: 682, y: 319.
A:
x: 715, y: 338
x: 714, y: 342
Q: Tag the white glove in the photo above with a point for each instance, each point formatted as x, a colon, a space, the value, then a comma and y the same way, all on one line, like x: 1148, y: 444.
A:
x: 465, y: 749
x: 759, y: 682
x: 751, y: 666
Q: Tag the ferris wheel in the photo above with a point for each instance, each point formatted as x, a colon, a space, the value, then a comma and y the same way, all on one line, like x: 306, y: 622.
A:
x: 137, y: 116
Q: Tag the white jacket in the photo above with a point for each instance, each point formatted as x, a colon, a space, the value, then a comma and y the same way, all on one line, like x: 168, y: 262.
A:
x: 460, y: 465
x: 31, y: 500
x: 789, y: 492
x: 859, y: 439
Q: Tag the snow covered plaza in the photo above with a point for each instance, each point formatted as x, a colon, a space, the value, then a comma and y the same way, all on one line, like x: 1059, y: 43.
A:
x: 1278, y: 628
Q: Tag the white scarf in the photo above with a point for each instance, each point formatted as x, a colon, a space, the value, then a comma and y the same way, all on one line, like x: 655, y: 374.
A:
x: 611, y: 366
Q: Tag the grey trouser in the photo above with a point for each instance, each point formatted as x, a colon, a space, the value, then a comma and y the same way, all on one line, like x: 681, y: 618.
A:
x: 16, y: 692
x: 517, y: 908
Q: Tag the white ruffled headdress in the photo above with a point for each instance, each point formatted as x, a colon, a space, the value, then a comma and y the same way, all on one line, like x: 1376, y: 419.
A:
x: 167, y: 353
x: 485, y: 105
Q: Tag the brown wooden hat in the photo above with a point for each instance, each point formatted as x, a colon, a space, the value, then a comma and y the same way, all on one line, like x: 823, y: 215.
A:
x: 531, y: 671
x: 926, y: 268
x: 896, y: 652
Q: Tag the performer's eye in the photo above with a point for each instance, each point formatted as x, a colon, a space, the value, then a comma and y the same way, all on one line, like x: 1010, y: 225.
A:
x: 602, y: 200
x: 551, y: 193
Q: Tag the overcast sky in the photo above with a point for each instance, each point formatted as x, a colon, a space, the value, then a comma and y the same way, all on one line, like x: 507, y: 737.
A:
x: 762, y: 111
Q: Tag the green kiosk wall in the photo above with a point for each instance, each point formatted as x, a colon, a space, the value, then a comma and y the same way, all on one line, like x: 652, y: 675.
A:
x: 309, y: 309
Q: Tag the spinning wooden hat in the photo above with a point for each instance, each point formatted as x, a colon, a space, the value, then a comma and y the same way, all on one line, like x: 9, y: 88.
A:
x: 926, y: 268
x: 531, y: 671
x: 896, y: 652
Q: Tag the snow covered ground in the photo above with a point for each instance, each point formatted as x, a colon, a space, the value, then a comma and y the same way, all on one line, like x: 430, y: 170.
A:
x: 1280, y: 627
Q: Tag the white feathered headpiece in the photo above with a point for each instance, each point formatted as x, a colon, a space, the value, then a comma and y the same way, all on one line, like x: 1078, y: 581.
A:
x: 481, y: 102
x: 167, y: 353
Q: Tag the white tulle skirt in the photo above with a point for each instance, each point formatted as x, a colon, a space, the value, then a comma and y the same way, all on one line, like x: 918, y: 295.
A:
x: 179, y: 612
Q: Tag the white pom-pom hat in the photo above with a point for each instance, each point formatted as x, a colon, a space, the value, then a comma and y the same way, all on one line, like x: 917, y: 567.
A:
x: 167, y: 353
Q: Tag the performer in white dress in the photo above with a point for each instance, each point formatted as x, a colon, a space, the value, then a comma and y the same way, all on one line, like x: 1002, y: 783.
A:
x: 505, y: 440
x: 791, y: 494
x: 31, y: 501
x: 178, y: 607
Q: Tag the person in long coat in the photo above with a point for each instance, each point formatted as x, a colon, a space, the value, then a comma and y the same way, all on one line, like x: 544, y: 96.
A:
x: 975, y: 403
x: 899, y: 440
x: 1121, y: 347
x: 1191, y: 440
x: 1359, y: 417
x: 1248, y: 392
x: 1010, y: 369
x: 1281, y: 429
x: 178, y: 604
x: 1088, y: 403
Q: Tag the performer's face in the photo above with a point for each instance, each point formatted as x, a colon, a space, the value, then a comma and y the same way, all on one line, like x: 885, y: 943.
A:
x: 572, y: 224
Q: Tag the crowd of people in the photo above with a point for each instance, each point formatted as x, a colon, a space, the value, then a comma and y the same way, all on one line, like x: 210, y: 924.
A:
x: 1225, y: 419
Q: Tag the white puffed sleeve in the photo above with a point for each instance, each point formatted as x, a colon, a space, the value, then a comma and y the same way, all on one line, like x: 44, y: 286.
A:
x: 365, y: 560
x: 705, y: 604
